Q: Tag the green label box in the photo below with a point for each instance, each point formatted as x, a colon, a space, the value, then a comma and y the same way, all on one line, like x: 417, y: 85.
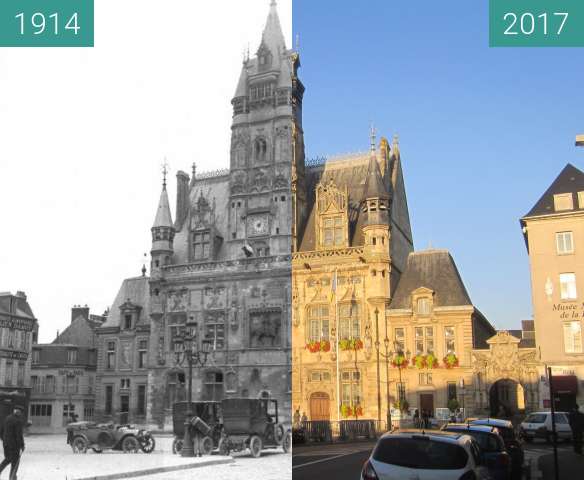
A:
x: 46, y: 23
x: 536, y: 23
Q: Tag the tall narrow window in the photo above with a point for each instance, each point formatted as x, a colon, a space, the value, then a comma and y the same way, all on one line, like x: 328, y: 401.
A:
x: 20, y: 374
x: 349, y: 320
x: 109, y: 395
x: 141, y: 404
x: 451, y: 390
x: 400, y: 339
x: 201, y: 245
x: 449, y: 340
x: 573, y: 337
x: 50, y: 384
x: 564, y: 243
x: 71, y: 356
x: 568, y: 286
x: 318, y: 321
x: 214, y: 385
x: 111, y: 356
x: 215, y: 330
x: 9, y: 373
x: 351, y: 388
x: 142, y: 353
x: 128, y: 321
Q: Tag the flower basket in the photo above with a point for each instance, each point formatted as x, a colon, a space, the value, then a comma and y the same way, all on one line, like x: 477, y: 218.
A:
x: 316, y: 346
x: 346, y: 411
x: 432, y: 361
x: 358, y: 411
x: 419, y: 361
x: 450, y: 360
x: 399, y: 361
x: 350, y: 344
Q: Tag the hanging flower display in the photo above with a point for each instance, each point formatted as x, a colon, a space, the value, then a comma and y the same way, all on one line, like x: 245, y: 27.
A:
x: 450, y: 360
x: 315, y: 346
x: 419, y: 361
x: 358, y: 411
x: 399, y: 360
x: 346, y: 411
x: 432, y: 361
x: 350, y: 344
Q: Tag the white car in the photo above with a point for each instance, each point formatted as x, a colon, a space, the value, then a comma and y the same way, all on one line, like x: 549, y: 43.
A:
x: 539, y: 425
x: 416, y: 455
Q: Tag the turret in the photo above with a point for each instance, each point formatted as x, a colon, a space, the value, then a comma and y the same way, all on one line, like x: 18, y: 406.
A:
x: 162, y: 233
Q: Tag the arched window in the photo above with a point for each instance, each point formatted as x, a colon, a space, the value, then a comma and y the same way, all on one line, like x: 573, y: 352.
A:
x: 260, y: 150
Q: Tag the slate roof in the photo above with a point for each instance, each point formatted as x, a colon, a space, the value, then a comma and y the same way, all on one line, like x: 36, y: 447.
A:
x: 20, y: 306
x: 436, y: 270
x: 137, y: 291
x: 570, y: 180
x: 523, y: 342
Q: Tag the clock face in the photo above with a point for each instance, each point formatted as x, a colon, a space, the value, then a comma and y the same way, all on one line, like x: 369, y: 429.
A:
x: 257, y: 225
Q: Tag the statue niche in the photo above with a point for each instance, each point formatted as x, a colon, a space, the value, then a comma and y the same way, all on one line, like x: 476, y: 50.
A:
x: 265, y: 327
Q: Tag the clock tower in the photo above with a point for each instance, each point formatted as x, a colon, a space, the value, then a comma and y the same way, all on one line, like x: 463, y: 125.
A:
x: 262, y: 151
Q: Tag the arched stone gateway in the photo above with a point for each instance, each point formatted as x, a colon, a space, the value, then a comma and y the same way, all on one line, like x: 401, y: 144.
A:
x: 505, y: 377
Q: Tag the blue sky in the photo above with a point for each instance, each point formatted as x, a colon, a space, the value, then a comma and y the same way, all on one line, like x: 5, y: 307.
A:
x: 483, y: 131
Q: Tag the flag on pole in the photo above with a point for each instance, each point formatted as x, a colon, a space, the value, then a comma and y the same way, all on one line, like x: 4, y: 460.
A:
x: 333, y: 286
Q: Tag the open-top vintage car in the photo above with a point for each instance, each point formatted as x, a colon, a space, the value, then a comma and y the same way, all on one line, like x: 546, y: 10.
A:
x: 252, y: 423
x: 209, y: 413
x: 99, y: 437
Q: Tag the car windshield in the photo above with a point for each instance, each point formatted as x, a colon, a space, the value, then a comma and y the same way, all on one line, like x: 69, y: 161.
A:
x: 536, y: 418
x: 488, y: 442
x: 421, y: 453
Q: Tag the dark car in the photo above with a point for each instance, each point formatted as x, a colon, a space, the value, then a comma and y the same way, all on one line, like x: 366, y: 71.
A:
x: 513, y: 443
x: 492, y: 445
x: 99, y: 437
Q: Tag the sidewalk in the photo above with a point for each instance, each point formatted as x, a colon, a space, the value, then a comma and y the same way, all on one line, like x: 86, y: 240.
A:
x: 571, y: 466
x: 49, y: 458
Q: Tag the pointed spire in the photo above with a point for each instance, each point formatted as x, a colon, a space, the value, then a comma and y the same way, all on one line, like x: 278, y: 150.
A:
x: 372, y: 137
x: 272, y: 37
x: 374, y: 187
x: 163, y: 217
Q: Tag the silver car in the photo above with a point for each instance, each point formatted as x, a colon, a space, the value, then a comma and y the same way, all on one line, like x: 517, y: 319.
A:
x: 416, y: 455
x: 539, y: 425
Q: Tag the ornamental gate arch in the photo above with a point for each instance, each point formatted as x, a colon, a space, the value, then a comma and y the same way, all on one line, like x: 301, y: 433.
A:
x: 505, y: 367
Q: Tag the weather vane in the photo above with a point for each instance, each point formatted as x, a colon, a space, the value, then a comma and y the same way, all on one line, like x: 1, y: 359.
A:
x: 165, y: 169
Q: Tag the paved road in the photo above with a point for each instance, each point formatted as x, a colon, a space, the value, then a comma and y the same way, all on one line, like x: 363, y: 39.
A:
x: 341, y: 462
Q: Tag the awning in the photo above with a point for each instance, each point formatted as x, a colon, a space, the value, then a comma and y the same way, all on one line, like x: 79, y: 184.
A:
x: 565, y: 384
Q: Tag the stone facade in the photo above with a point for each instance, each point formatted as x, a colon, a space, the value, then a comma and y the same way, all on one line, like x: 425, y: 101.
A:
x: 553, y: 231
x: 221, y: 269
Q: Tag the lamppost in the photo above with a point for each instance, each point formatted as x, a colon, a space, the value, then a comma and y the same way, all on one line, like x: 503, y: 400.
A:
x: 399, y: 351
x: 386, y: 356
x: 194, y: 354
x: 70, y: 414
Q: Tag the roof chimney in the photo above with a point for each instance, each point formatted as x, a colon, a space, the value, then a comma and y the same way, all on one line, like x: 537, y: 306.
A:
x: 182, y: 198
x: 21, y: 294
x: 78, y: 310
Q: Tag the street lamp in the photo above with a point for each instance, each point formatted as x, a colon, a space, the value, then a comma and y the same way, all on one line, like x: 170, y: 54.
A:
x: 193, y: 354
x: 386, y: 357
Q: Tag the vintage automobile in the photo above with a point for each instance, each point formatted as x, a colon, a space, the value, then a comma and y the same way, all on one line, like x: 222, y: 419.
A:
x: 208, y: 412
x: 99, y: 437
x: 252, y: 423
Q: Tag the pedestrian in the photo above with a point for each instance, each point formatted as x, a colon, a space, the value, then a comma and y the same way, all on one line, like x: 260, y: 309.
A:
x: 576, y: 419
x: 297, y: 418
x: 425, y: 418
x: 416, y: 418
x: 304, y: 418
x: 11, y: 433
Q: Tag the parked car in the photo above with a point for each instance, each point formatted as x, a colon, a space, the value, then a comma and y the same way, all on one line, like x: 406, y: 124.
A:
x: 494, y: 454
x: 425, y: 456
x: 99, y: 437
x: 539, y: 425
x: 253, y: 423
x: 513, y: 442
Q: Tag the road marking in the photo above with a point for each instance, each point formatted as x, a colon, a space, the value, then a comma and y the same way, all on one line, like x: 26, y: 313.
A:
x: 325, y: 459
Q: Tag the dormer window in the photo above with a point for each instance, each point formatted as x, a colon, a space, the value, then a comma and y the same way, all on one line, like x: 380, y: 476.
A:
x: 127, y: 321
x: 332, y: 234
x: 202, y: 245
x: 563, y: 201
x: 423, y: 306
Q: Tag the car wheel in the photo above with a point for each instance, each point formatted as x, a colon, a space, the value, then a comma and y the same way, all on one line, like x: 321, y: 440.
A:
x: 79, y: 445
x: 147, y: 444
x: 224, y: 446
x: 255, y: 446
x: 97, y: 449
x: 130, y: 444
x: 287, y: 442
x: 177, y: 445
x: 207, y: 445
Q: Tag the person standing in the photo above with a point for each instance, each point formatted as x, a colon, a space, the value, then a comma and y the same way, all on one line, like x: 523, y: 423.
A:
x: 576, y: 419
x: 13, y: 440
